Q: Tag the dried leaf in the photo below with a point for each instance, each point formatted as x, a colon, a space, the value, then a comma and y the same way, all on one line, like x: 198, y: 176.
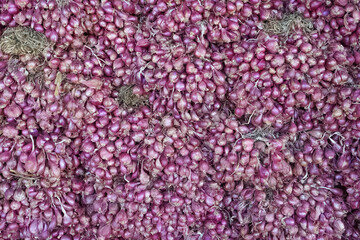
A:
x: 58, y: 81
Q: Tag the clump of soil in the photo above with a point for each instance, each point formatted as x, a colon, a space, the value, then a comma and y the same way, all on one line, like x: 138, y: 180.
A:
x: 23, y: 40
x: 288, y: 24
x: 261, y: 133
x: 62, y: 3
x: 128, y: 99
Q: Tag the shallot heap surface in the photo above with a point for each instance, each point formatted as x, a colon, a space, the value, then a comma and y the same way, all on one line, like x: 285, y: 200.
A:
x: 180, y: 119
